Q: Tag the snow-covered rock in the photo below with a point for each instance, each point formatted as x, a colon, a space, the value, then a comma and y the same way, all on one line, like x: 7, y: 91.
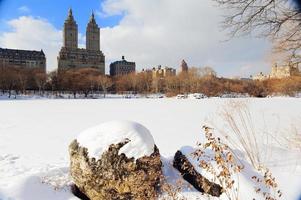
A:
x: 98, y: 139
x: 192, y: 176
x: 116, y: 160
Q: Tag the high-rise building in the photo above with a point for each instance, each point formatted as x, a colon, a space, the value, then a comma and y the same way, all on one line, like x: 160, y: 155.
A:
x: 92, y: 35
x: 70, y: 56
x: 160, y: 72
x: 122, y: 67
x: 70, y: 32
x: 184, y: 66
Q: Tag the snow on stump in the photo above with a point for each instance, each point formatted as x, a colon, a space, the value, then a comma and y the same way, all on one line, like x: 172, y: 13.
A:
x: 199, y: 182
x: 116, y: 160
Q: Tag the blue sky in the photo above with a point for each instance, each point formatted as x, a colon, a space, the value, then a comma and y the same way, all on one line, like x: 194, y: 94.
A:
x: 149, y: 32
x: 55, y: 11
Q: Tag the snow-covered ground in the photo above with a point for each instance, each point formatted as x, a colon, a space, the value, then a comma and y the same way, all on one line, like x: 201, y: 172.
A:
x: 35, y: 134
x: 53, y: 95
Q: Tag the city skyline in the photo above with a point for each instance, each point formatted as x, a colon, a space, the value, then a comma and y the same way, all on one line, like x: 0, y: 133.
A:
x: 130, y: 29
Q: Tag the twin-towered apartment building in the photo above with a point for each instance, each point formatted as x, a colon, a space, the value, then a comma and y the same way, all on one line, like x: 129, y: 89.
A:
x: 70, y: 56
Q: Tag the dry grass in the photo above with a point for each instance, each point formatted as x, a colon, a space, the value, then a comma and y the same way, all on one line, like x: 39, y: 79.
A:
x: 217, y: 159
x: 226, y: 166
x: 170, y: 191
x: 239, y: 131
x: 292, y: 138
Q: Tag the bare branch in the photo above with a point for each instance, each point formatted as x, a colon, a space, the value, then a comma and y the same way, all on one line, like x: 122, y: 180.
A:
x: 277, y: 20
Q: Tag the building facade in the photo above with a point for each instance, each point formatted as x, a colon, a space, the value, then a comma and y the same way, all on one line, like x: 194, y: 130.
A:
x: 23, y: 58
x: 122, y: 67
x: 279, y: 72
x: 260, y: 77
x: 72, y: 57
x: 161, y: 72
x: 183, y: 66
x: 284, y: 71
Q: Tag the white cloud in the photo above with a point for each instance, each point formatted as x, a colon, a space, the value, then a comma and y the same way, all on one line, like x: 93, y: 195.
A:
x: 152, y: 33
x: 24, y: 9
x: 33, y: 34
x: 166, y: 31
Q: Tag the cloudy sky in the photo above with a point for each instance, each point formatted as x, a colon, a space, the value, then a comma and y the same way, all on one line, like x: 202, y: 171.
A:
x: 149, y: 32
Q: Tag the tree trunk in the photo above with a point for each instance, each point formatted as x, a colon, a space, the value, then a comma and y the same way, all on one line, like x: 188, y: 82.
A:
x: 104, y: 93
x: 199, y: 182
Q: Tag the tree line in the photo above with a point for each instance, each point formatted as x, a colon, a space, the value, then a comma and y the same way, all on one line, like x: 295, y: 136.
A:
x: 89, y: 81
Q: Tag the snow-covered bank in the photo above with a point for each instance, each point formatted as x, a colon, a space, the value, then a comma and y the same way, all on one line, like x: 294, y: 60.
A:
x: 34, y: 137
x: 66, y: 95
x: 54, y: 95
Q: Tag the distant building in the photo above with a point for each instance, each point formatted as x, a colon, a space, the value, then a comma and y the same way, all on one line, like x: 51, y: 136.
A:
x: 163, y: 72
x: 284, y: 71
x: 183, y: 66
x: 70, y: 56
x: 246, y: 79
x: 23, y: 58
x: 279, y: 72
x: 122, y: 67
x: 147, y: 71
x: 260, y: 77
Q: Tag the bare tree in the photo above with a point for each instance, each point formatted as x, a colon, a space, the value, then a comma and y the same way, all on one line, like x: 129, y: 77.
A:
x: 144, y: 82
x: 54, y: 82
x: 134, y: 82
x: 206, y: 72
x: 122, y: 83
x: 9, y: 79
x: 22, y: 77
x: 158, y: 84
x: 72, y: 80
x: 40, y: 79
x: 2, y: 79
x: 278, y: 20
x: 172, y: 85
x: 104, y: 82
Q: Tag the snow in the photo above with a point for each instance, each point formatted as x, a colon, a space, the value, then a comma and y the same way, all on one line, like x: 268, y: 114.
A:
x: 66, y: 95
x: 98, y: 139
x: 35, y: 135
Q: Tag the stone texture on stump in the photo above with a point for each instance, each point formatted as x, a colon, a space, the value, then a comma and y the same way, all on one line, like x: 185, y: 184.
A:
x: 115, y: 176
x: 189, y: 173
